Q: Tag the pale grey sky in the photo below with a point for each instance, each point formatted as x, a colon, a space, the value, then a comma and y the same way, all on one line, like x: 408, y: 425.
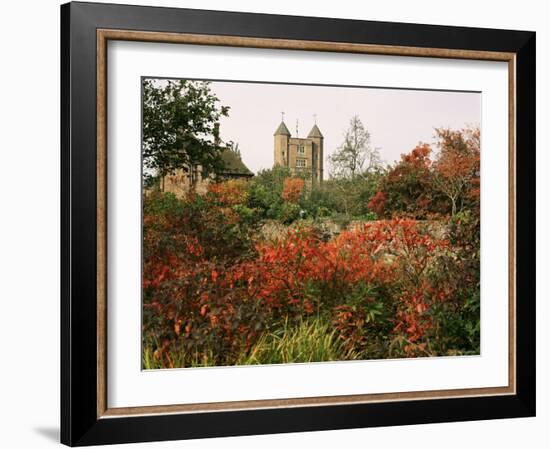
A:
x: 396, y: 119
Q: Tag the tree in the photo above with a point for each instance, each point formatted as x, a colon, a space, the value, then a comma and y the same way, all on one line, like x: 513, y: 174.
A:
x: 457, y: 165
x: 351, y: 196
x: 180, y: 128
x: 407, y: 187
x: 265, y: 191
x: 292, y: 189
x: 350, y: 158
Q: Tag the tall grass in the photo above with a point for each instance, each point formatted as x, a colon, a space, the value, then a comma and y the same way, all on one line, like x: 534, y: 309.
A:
x: 175, y: 358
x: 309, y: 341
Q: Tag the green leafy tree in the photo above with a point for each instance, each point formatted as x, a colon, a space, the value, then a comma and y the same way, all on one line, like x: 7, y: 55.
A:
x: 265, y: 191
x: 180, y: 128
x: 351, y: 196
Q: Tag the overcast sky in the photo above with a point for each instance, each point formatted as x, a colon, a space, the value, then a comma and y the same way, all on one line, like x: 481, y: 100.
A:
x: 396, y: 119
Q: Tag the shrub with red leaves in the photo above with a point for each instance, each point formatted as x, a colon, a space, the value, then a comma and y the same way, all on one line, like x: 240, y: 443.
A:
x: 211, y: 287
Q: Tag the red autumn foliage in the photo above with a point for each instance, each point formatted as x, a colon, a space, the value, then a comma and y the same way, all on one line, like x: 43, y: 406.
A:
x: 377, y: 203
x: 292, y: 189
x: 215, y: 284
x: 228, y: 193
x: 350, y: 323
x: 419, y: 157
x: 201, y: 303
x: 421, y: 188
x: 457, y: 166
x: 406, y: 190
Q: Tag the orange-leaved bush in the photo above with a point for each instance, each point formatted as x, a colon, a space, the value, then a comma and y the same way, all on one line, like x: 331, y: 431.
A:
x: 292, y: 189
x: 212, y: 287
x: 228, y: 193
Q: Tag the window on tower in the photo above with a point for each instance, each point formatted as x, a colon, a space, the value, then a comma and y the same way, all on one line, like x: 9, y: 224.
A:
x: 301, y: 149
x: 300, y: 163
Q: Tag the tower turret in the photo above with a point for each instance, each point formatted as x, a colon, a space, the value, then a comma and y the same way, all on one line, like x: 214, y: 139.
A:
x: 316, y: 138
x: 281, y: 136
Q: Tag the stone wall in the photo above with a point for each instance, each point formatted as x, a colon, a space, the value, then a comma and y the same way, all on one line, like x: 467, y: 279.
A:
x: 330, y: 228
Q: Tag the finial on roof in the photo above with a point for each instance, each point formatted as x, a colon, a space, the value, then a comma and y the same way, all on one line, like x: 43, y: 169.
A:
x: 297, y: 134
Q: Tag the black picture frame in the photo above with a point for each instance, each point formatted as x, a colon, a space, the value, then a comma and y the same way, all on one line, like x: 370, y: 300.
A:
x: 80, y: 424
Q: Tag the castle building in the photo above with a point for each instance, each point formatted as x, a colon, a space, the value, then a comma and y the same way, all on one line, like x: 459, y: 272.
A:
x: 300, y: 155
x: 181, y: 182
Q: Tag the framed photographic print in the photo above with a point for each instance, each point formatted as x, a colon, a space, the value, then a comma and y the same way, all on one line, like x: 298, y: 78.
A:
x: 281, y: 224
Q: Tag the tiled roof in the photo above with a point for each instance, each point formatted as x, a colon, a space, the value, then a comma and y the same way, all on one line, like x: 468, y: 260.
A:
x: 315, y: 132
x: 234, y: 165
x: 282, y: 130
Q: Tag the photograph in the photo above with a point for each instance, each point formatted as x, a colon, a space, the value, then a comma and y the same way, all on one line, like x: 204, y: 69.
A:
x: 296, y: 223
